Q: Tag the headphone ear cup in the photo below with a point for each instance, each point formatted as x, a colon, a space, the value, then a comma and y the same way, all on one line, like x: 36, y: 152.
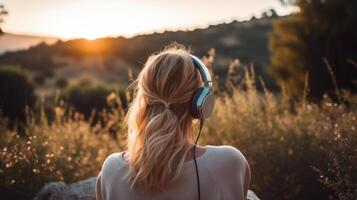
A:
x: 195, y: 112
x: 207, y: 106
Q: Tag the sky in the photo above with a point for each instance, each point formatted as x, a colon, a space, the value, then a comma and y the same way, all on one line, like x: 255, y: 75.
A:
x: 99, y: 18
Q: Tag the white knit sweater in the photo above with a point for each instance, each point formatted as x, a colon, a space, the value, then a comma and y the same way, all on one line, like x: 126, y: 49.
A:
x: 222, y: 171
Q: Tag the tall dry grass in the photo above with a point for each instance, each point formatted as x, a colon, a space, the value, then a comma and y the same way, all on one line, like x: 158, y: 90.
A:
x: 67, y: 149
x: 297, y: 149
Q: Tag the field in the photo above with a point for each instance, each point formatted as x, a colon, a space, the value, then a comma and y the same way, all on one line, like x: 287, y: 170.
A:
x: 284, y: 75
x: 297, y: 148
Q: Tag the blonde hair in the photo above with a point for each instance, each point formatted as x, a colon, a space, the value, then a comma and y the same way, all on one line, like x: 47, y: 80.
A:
x: 159, y: 119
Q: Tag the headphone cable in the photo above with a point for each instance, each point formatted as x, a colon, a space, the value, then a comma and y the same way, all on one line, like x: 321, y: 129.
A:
x: 194, y: 158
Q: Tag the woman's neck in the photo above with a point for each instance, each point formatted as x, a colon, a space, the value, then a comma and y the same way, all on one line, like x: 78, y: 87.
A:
x: 200, y: 150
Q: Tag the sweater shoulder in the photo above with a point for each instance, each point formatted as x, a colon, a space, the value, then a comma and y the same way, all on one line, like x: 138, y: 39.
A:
x: 227, y: 155
x: 113, y: 162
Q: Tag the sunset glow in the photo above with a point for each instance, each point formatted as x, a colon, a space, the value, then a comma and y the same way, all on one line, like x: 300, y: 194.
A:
x: 92, y: 19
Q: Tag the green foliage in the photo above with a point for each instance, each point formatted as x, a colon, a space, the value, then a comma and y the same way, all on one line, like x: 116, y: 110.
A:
x: 322, y: 30
x: 16, y: 92
x: 87, y: 95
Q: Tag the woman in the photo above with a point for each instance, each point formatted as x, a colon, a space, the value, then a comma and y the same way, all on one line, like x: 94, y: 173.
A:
x: 160, y: 161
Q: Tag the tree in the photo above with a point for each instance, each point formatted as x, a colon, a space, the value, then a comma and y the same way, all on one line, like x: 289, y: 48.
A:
x: 271, y: 13
x: 3, y: 12
x: 319, y: 40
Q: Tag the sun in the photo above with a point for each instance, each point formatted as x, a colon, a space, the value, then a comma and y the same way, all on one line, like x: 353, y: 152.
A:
x: 95, y: 19
x: 84, y: 20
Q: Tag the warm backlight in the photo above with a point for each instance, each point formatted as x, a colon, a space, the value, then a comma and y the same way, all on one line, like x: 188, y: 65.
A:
x: 94, y: 19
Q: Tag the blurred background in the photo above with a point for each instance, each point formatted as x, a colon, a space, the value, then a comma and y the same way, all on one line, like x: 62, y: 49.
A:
x: 285, y: 74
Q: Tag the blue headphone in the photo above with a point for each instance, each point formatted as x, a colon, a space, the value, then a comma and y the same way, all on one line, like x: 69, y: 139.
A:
x: 203, y: 98
x: 202, y: 106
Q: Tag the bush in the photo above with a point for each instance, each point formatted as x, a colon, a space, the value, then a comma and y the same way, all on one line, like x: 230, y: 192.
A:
x: 318, y: 40
x: 16, y: 92
x: 39, y: 79
x: 61, y: 82
x: 286, y: 142
x: 69, y: 149
x: 337, y: 124
x: 87, y: 95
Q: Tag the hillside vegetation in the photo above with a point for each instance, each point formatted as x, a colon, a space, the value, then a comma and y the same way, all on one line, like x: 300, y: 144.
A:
x: 15, y: 42
x: 296, y: 149
x: 108, y: 59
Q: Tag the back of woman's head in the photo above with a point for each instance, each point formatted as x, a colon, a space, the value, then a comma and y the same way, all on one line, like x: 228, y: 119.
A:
x: 159, y: 120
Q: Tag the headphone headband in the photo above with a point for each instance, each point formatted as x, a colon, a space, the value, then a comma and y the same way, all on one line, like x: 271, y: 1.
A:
x: 204, y: 72
x: 202, y: 105
x: 203, y: 98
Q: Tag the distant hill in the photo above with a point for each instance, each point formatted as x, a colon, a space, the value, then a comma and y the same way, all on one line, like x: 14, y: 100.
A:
x: 14, y: 42
x: 109, y: 59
